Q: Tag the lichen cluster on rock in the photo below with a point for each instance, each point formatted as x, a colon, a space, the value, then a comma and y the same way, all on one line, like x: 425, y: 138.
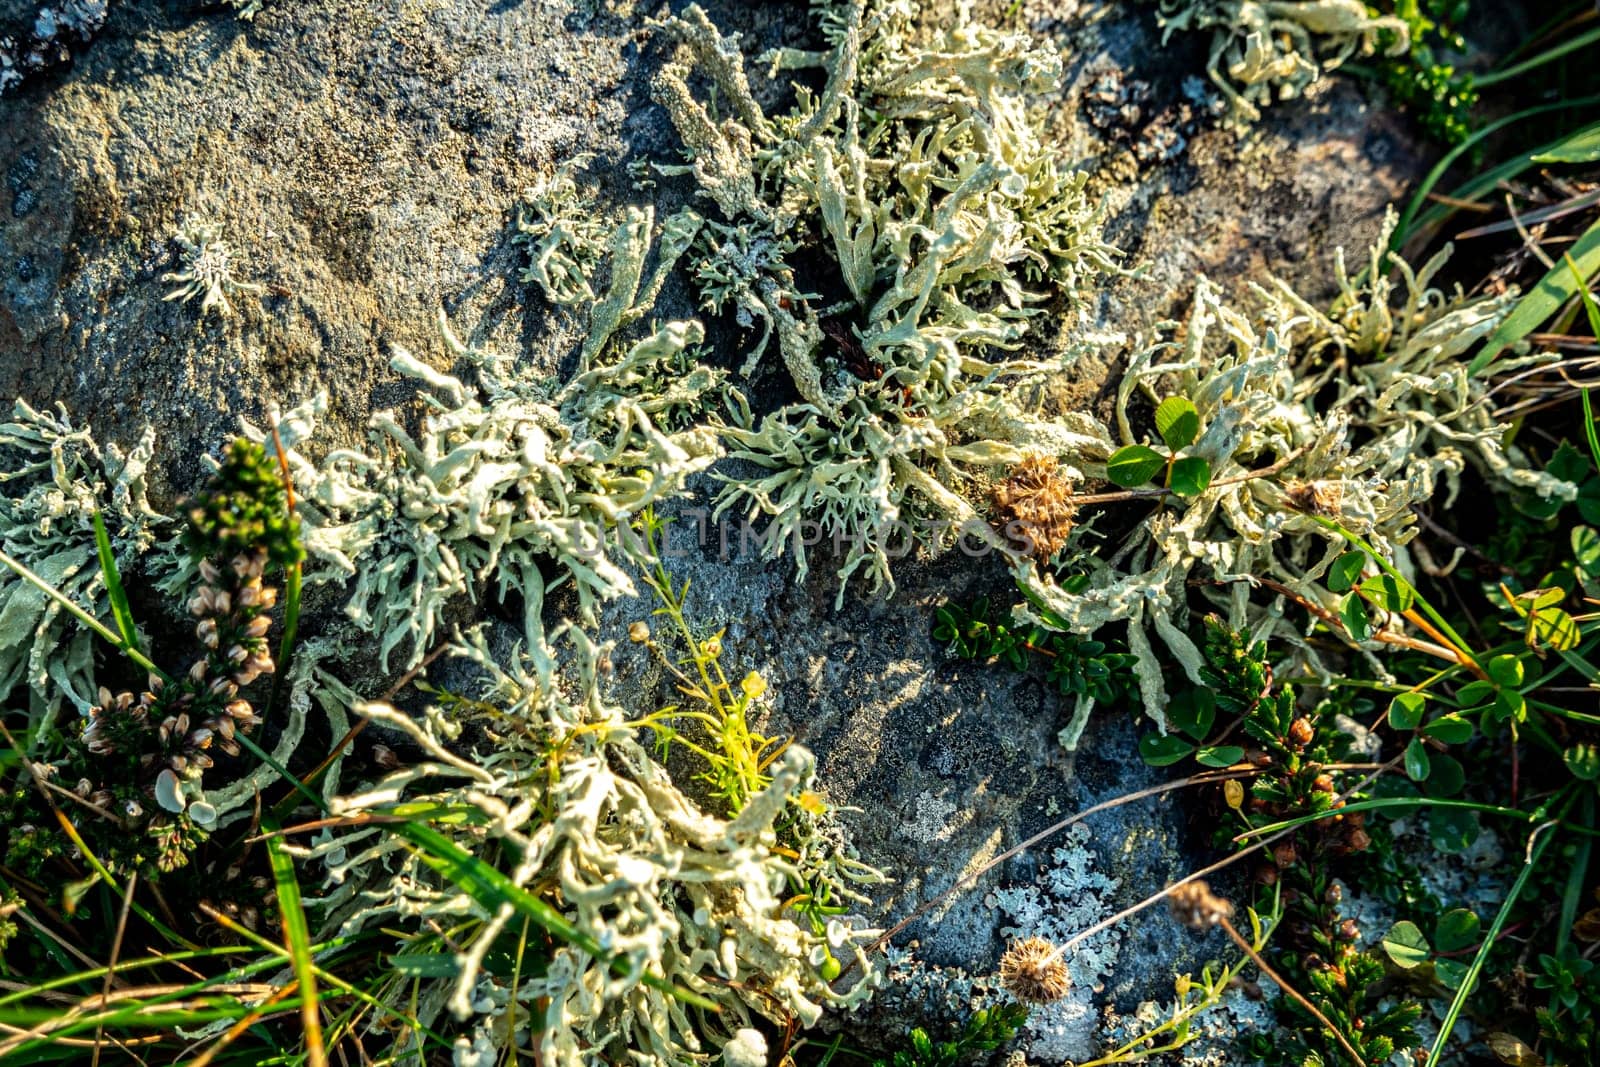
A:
x: 907, y: 239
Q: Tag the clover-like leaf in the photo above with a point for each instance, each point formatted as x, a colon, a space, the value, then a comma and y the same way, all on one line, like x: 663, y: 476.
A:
x: 1346, y: 572
x: 1390, y: 593
x: 1353, y: 613
x: 1134, y: 465
x: 1417, y: 765
x: 1191, y: 476
x: 1160, y: 750
x: 1450, y: 729
x: 1405, y: 945
x: 1405, y: 711
x: 1178, y: 422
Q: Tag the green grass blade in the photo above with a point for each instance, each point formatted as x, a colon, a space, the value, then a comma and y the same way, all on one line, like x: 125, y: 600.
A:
x: 297, y: 936
x: 1581, y: 147
x: 492, y: 888
x: 113, y: 579
x: 291, y: 626
x: 1571, y: 44
x: 283, y: 772
x: 1593, y: 311
x: 1489, y: 938
x: 1539, y: 305
x: 1572, y: 895
x: 82, y: 616
x: 1413, y: 220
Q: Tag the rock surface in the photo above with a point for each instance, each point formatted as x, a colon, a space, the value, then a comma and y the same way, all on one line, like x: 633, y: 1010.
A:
x: 364, y: 158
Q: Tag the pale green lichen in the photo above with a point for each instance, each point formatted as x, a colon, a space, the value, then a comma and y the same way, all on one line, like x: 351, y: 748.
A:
x: 1263, y: 50
x: 1364, y: 411
x: 571, y: 799
x: 206, y: 268
x: 53, y: 479
x: 504, y: 477
x: 925, y: 174
x: 565, y: 235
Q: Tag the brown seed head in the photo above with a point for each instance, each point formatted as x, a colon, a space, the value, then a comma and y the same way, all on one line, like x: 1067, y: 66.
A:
x: 1195, y: 906
x: 1034, y: 505
x: 1319, y: 498
x: 1033, y: 971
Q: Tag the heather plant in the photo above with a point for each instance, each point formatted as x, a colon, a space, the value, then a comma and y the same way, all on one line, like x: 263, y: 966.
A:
x: 135, y: 761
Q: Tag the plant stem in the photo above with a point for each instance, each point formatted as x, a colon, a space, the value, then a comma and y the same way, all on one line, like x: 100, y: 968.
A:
x: 1249, y: 950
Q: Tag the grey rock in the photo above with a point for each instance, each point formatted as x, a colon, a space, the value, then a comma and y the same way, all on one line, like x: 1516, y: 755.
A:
x: 365, y: 158
x: 35, y: 37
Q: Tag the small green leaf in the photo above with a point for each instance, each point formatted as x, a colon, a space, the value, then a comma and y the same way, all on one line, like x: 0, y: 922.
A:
x: 1191, y: 476
x: 1510, y: 704
x: 1456, y: 929
x: 1450, y: 729
x: 1417, y: 766
x: 1192, y: 711
x: 1474, y: 694
x: 1446, y: 778
x: 1452, y: 829
x: 1554, y: 629
x: 1405, y: 945
x: 1346, y: 571
x: 1178, y: 422
x: 1581, y: 147
x: 1451, y: 974
x: 1405, y: 711
x: 1353, y: 612
x: 1219, y: 755
x: 1504, y: 670
x: 1586, y: 553
x: 1134, y: 465
x: 1389, y: 593
x: 1583, y: 761
x: 1160, y: 750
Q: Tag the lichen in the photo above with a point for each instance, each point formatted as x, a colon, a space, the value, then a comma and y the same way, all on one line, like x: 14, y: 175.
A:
x: 1361, y: 411
x: 927, y: 180
x: 565, y: 235
x: 1263, y: 50
x: 569, y: 797
x: 504, y: 477
x: 54, y: 478
x: 206, y: 268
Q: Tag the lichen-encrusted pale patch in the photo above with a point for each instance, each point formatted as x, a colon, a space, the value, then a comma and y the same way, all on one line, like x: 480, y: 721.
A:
x: 503, y: 476
x: 1366, y: 407
x: 926, y: 176
x: 206, y: 269
x: 53, y: 479
x: 561, y: 778
x: 1263, y: 50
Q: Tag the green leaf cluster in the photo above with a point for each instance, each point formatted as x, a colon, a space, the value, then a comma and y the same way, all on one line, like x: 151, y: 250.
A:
x: 1178, y: 424
x: 986, y: 1030
x: 244, y: 506
x: 1073, y: 665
